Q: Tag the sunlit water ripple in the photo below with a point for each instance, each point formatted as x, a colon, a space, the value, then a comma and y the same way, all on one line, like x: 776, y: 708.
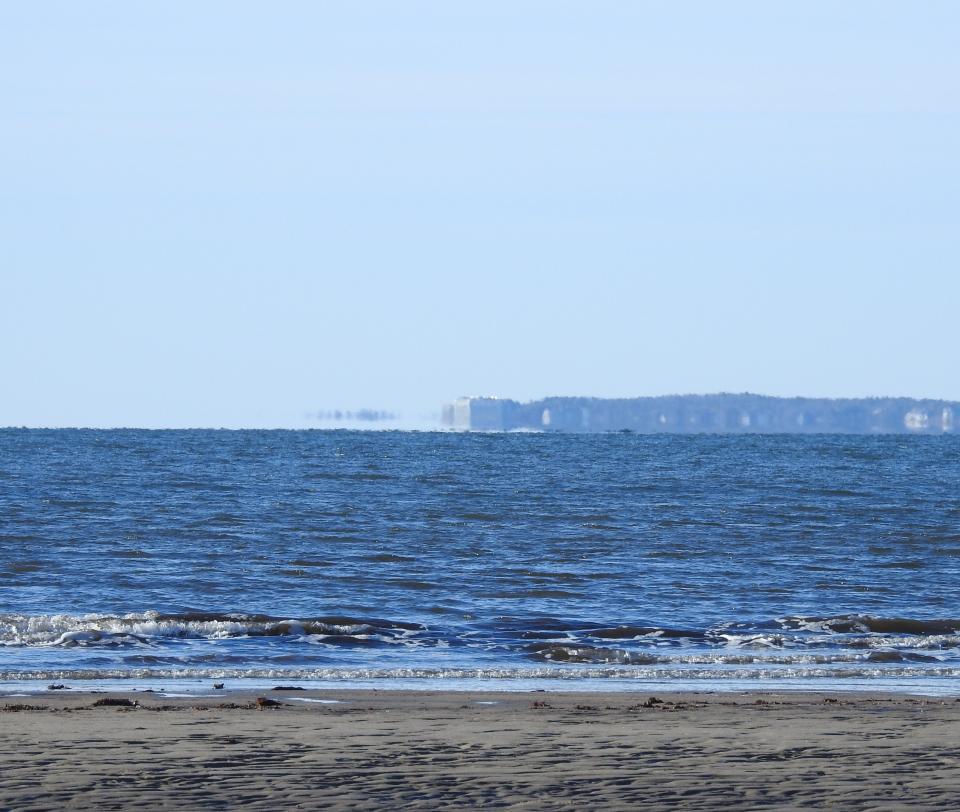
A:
x: 495, y: 559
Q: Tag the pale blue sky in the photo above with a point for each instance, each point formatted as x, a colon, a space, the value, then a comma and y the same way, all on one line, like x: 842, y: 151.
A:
x: 235, y: 213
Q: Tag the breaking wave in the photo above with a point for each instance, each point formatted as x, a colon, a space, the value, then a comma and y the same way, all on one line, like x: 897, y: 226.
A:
x: 866, y: 624
x: 259, y: 640
x: 153, y: 628
x: 863, y: 672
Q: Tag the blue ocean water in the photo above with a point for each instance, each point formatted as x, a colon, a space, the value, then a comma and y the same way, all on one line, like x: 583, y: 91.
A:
x: 439, y: 559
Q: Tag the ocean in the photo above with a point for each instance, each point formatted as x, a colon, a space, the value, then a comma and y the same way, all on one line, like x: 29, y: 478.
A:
x: 172, y: 559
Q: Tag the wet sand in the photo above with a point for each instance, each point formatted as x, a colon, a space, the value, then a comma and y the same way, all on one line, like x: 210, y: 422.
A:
x: 532, y: 751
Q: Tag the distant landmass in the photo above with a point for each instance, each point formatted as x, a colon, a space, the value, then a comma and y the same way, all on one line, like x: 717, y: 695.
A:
x: 699, y: 414
x: 362, y: 415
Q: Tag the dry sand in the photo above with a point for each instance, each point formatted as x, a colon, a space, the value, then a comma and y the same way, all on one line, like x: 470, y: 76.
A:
x: 392, y: 750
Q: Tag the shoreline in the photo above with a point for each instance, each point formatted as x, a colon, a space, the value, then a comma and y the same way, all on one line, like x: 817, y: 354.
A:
x: 947, y: 688
x: 366, y: 749
x: 292, y: 689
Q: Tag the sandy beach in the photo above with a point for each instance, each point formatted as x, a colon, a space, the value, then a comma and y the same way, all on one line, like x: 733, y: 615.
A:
x: 388, y: 750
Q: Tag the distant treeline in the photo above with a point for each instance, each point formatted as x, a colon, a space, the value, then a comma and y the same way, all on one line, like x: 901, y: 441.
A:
x: 720, y: 414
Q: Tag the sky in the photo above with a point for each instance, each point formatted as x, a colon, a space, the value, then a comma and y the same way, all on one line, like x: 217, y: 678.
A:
x: 234, y: 214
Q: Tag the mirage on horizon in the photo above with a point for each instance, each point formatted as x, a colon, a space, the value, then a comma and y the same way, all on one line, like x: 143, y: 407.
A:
x: 706, y: 414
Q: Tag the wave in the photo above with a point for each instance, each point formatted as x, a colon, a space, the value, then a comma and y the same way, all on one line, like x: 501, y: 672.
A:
x: 868, y: 624
x: 560, y: 653
x: 149, y: 628
x: 548, y: 639
x: 647, y: 673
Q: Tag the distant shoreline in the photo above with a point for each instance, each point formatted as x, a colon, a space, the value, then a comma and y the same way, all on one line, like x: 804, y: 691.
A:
x: 722, y: 413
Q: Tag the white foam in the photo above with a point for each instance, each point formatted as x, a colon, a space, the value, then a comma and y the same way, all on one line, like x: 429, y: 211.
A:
x: 143, y: 627
x: 318, y: 701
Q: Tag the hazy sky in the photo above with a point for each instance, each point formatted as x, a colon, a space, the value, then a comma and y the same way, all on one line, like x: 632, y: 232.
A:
x: 236, y: 213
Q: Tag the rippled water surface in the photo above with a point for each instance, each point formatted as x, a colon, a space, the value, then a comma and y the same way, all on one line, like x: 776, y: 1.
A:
x: 403, y: 556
